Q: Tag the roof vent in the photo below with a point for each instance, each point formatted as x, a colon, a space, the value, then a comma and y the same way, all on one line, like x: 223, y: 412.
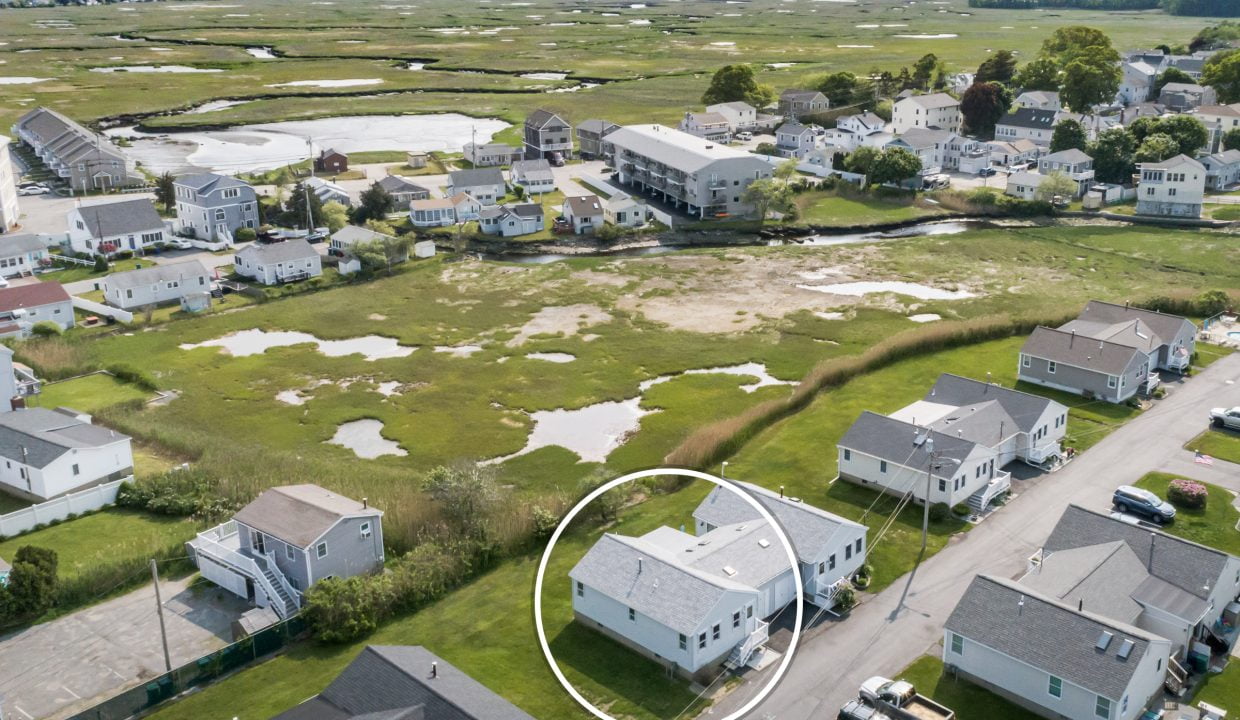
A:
x: 1104, y: 641
x: 1125, y: 649
x: 741, y: 528
x: 764, y: 542
x: 702, y: 543
x: 729, y: 570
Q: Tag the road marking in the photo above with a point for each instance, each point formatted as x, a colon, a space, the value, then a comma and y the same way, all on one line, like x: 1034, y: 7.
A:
x: 66, y: 687
x: 18, y: 708
x: 109, y: 667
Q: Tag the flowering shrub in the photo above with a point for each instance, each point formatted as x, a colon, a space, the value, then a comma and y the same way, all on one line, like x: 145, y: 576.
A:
x: 1187, y: 494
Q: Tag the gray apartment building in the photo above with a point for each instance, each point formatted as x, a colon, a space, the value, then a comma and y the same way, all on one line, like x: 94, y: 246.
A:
x: 84, y: 159
x: 590, y: 134
x: 700, y: 177
x: 547, y: 135
x: 214, y: 207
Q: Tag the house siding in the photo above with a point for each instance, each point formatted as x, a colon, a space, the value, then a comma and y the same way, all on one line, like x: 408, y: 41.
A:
x: 973, y: 473
x: 348, y: 553
x: 95, y: 465
x: 156, y: 293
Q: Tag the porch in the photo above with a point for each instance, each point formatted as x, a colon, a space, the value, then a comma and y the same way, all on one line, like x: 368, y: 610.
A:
x: 744, y: 652
x: 998, y: 485
x: 255, y: 576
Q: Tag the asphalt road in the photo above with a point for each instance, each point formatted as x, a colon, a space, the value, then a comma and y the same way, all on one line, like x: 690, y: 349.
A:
x: 892, y: 629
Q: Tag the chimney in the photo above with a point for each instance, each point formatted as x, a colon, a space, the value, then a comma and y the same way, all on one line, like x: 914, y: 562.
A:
x: 1080, y: 605
x: 365, y: 503
x: 639, y: 566
x: 1072, y: 339
x: 1020, y: 606
x: 434, y: 670
x: 781, y: 491
x: 1126, y: 304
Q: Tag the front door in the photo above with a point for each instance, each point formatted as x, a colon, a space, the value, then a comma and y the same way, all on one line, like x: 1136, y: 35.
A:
x: 258, y: 542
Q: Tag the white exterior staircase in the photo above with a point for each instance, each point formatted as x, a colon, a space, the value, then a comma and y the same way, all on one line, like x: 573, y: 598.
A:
x: 980, y: 500
x: 743, y: 652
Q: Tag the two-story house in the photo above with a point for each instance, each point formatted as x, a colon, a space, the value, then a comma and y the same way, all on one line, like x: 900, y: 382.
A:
x: 938, y: 150
x: 486, y: 185
x: 535, y: 176
x: 935, y: 111
x: 1136, y: 82
x: 794, y: 140
x: 590, y: 134
x: 155, y: 285
x: 1172, y: 188
x: 548, y: 136
x: 1039, y: 100
x: 1222, y: 171
x: 287, y: 539
x: 584, y: 213
x: 708, y: 125
x: 84, y: 159
x: 862, y: 129
x: 1218, y: 119
x: 109, y: 228
x: 963, y: 433
x: 797, y: 104
x: 214, y: 207
x: 1033, y: 124
x: 740, y: 116
x: 1074, y: 163
x: 9, y: 210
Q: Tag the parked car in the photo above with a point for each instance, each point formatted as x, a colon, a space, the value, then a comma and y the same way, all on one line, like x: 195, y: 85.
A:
x: 1018, y: 167
x: 557, y: 159
x: 935, y: 182
x: 180, y: 243
x: 858, y: 710
x: 33, y: 189
x: 1222, y: 417
x: 744, y: 136
x: 1143, y: 502
x: 900, y: 700
x: 987, y: 172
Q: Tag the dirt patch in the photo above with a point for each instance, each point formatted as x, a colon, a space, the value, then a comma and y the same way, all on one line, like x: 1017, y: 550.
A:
x: 376, y: 316
x: 564, y: 320
x: 595, y: 278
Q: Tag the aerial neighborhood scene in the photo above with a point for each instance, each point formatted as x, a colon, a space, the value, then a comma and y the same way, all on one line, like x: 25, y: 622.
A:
x: 660, y: 360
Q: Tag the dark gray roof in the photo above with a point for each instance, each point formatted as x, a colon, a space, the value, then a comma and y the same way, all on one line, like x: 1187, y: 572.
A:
x: 206, y: 182
x: 265, y: 254
x: 350, y: 234
x: 395, y: 682
x: 11, y: 245
x: 809, y: 528
x: 1034, y: 118
x: 300, y: 514
x: 155, y: 274
x: 1022, y: 408
x: 650, y: 579
x: 796, y: 94
x: 1165, y: 326
x: 1079, y: 351
x: 597, y: 127
x: 1186, y: 565
x: 37, y: 436
x: 1049, y: 635
x: 1071, y: 156
x: 121, y: 218
x: 893, y: 440
x: 475, y: 177
x: 541, y: 118
x: 398, y: 184
x: 527, y: 210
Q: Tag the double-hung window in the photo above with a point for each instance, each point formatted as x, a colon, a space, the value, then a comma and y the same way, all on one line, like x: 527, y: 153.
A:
x: 1054, y: 686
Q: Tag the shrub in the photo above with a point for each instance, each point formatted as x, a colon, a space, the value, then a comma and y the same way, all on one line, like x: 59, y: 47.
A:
x: 101, y: 264
x: 1187, y: 494
x: 132, y: 375
x: 246, y: 235
x: 46, y: 328
x: 340, y: 611
x: 180, y: 493
x: 962, y: 510
x: 845, y: 599
x: 31, y: 587
x: 940, y: 512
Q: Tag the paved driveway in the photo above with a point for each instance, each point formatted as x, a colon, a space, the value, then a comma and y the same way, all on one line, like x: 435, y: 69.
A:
x: 61, y: 667
x: 898, y: 625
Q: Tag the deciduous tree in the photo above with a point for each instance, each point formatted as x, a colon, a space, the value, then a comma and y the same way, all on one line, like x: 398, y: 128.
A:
x: 999, y: 67
x: 1231, y: 139
x: 766, y: 195
x: 374, y: 204
x: 1039, y: 74
x: 732, y: 83
x: 1112, y: 154
x: 1222, y: 72
x: 894, y: 165
x: 1156, y: 148
x: 165, y: 191
x: 982, y: 105
x: 1069, y: 134
x: 1055, y: 183
x: 1091, y: 78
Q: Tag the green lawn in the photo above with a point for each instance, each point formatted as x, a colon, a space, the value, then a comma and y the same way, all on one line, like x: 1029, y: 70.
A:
x: 1214, y: 525
x: 1226, y: 212
x: 1222, y: 690
x: 73, y: 273
x: 1207, y: 354
x: 1221, y: 443
x: 969, y: 701
x: 85, y: 543
x: 828, y: 208
x: 90, y: 393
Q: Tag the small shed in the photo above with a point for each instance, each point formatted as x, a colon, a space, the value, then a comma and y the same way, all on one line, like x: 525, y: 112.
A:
x: 253, y: 621
x: 196, y: 302
x: 417, y: 159
x: 424, y: 249
x: 332, y: 161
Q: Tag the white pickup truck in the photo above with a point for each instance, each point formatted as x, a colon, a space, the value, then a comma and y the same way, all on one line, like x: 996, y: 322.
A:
x: 1222, y: 417
x: 899, y: 700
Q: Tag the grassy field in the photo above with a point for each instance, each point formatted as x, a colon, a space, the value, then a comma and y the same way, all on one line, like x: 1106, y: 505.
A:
x: 1207, y: 354
x: 90, y: 394
x: 1221, y: 443
x: 969, y: 701
x: 827, y: 208
x: 1214, y: 525
x: 73, y: 273
x: 1222, y: 690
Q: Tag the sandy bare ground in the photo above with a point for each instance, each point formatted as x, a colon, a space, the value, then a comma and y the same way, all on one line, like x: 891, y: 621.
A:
x: 562, y: 320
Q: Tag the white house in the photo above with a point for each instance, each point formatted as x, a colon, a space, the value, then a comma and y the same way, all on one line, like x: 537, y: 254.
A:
x: 47, y: 453
x: 1222, y: 171
x: 974, y: 429
x: 278, y: 262
x: 624, y: 210
x: 1033, y: 124
x: 854, y: 131
x: 155, y: 285
x: 344, y: 240
x: 22, y: 306
x: 108, y: 228
x: 432, y: 212
x: 1016, y: 152
x: 21, y: 254
x: 938, y: 150
x: 1039, y: 100
x: 535, y: 176
x: 1218, y: 119
x: 214, y: 207
x: 937, y: 110
x: 1136, y: 83
x: 486, y: 185
x: 402, y: 190
x: 9, y: 211
x: 739, y: 115
x: 490, y: 154
x: 707, y: 125
x: 512, y: 220
x: 1072, y: 162
x: 1023, y: 184
x: 584, y: 213
x: 1051, y: 657
x: 466, y: 207
x: 1171, y: 188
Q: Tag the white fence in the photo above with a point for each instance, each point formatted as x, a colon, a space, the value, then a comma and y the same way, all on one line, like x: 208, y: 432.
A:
x: 91, y: 306
x: 93, y: 498
x: 207, y: 245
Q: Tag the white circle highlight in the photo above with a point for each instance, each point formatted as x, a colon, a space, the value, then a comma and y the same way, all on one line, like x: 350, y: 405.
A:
x: 658, y: 472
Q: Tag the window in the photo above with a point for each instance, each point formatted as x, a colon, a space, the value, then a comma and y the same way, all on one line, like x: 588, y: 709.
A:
x: 321, y: 550
x: 684, y: 642
x: 822, y: 568
x: 1102, y: 707
x: 581, y: 591
x: 847, y: 454
x: 702, y: 641
x: 1111, y: 381
x: 736, y: 619
x: 1024, y: 361
x: 365, y: 530
x: 1055, y: 686
x: 831, y: 561
x: 848, y: 552
x: 882, y: 466
x: 749, y: 611
x: 943, y: 485
x: 714, y: 632
x: 957, y: 644
x: 858, y: 545
x: 289, y: 553
x: 1050, y: 367
x: 632, y: 615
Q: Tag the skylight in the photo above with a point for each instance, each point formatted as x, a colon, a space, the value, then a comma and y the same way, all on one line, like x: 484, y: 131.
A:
x: 764, y: 542
x: 729, y: 570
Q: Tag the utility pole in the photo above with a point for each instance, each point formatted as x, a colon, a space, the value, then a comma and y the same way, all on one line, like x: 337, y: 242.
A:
x: 309, y: 209
x: 310, y: 152
x: 925, y: 505
x: 159, y: 606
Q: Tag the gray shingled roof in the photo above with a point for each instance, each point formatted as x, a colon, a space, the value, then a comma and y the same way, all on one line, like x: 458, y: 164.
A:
x: 37, y: 436
x: 394, y: 682
x: 532, y: 169
x: 809, y: 528
x: 1071, y: 156
x: 893, y: 440
x: 1188, y: 566
x: 1079, y: 351
x: 584, y: 205
x: 1164, y: 325
x: 350, y: 234
x: 11, y: 245
x: 299, y: 514
x: 1033, y: 118
x: 595, y: 126
x: 934, y: 100
x: 1100, y: 578
x: 1171, y: 163
x: 1022, y: 408
x: 475, y: 177
x: 676, y: 149
x: 398, y: 184
x: 209, y: 181
x: 289, y: 250
x: 156, y: 274
x: 541, y: 118
x: 121, y: 218
x: 652, y: 581
x: 1049, y: 635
